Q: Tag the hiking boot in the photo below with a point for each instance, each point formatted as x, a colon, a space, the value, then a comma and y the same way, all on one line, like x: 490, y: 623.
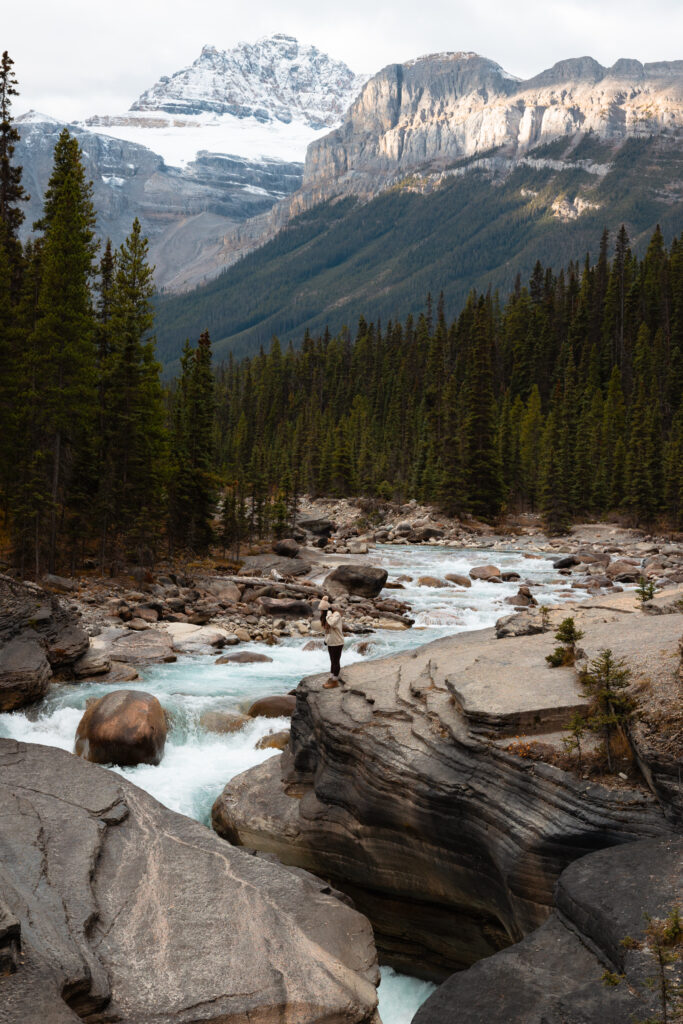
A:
x: 331, y: 684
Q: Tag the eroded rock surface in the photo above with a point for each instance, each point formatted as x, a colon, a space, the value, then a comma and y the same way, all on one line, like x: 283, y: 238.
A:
x: 38, y: 635
x: 554, y: 976
x: 398, y: 789
x: 130, y: 912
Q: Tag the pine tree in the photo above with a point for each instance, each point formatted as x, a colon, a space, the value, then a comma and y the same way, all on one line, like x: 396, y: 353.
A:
x: 134, y: 432
x: 481, y: 459
x: 62, y: 346
x: 12, y: 192
x: 193, y: 481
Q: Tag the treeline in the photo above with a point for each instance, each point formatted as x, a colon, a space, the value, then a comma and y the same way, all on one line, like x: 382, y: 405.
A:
x: 564, y: 398
x: 96, y: 459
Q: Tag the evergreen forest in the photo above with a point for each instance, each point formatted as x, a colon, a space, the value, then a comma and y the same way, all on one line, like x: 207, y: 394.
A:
x: 562, y: 397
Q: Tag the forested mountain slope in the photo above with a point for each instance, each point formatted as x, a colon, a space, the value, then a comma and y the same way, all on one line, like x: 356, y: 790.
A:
x: 475, y: 226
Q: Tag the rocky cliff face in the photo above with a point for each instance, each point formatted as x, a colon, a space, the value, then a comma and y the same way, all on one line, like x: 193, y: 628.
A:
x: 114, y: 908
x: 38, y: 635
x: 556, y: 974
x: 276, y: 78
x: 432, y: 112
x: 399, y: 787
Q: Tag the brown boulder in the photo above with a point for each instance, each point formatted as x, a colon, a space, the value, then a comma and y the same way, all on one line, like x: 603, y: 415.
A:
x: 279, y: 706
x: 126, y: 727
x: 274, y: 741
x: 485, y: 572
x: 223, y: 721
x: 431, y: 581
x: 462, y: 581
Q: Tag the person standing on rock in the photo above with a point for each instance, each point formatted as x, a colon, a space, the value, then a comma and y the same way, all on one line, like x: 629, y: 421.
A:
x: 333, y: 625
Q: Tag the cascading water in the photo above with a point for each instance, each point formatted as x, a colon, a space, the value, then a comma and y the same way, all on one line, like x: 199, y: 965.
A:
x: 197, y: 764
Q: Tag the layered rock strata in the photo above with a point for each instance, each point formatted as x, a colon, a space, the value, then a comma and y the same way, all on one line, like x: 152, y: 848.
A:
x: 556, y: 975
x: 128, y: 912
x: 432, y: 112
x: 399, y: 789
x: 38, y: 636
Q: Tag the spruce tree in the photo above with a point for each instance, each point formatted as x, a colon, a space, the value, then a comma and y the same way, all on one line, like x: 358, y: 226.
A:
x: 12, y: 192
x: 480, y: 449
x: 134, y: 432
x: 62, y: 346
x: 193, y: 479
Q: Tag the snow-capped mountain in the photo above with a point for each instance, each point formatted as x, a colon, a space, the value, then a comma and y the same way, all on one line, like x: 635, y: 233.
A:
x: 203, y: 150
x: 263, y: 100
x: 276, y: 78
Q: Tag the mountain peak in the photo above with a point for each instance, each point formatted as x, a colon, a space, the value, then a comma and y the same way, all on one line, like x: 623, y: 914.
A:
x: 277, y: 78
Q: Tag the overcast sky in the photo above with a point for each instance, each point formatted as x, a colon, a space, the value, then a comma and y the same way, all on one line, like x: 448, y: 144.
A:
x: 74, y: 58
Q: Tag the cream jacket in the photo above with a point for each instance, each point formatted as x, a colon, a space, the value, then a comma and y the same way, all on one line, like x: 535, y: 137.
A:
x: 334, y: 634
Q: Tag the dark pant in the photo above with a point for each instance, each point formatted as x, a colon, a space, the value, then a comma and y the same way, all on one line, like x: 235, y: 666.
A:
x: 335, y: 658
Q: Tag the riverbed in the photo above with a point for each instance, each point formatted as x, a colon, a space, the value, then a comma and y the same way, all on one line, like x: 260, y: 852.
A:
x: 197, y: 764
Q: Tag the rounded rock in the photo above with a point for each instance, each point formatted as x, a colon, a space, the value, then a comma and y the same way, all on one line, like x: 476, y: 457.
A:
x: 126, y: 727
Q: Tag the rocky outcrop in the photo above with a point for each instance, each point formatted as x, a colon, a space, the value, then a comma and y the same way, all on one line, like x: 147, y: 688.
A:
x: 432, y: 112
x: 125, y: 727
x: 38, y: 635
x: 399, y: 788
x: 555, y: 975
x: 130, y: 912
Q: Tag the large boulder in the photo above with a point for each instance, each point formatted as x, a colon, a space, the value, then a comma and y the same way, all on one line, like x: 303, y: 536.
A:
x: 125, y: 727
x: 225, y: 591
x: 287, y: 547
x: 317, y: 525
x: 485, y: 572
x: 279, y: 706
x: 556, y: 974
x: 130, y: 912
x: 352, y: 578
x: 223, y: 721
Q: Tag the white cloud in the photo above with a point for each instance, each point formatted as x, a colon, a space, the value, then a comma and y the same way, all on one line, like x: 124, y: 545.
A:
x: 76, y: 58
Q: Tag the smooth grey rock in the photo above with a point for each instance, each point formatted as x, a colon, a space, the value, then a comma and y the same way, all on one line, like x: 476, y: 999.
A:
x: 133, y: 913
x: 287, y: 547
x: 95, y: 662
x: 25, y: 672
x: 554, y: 976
